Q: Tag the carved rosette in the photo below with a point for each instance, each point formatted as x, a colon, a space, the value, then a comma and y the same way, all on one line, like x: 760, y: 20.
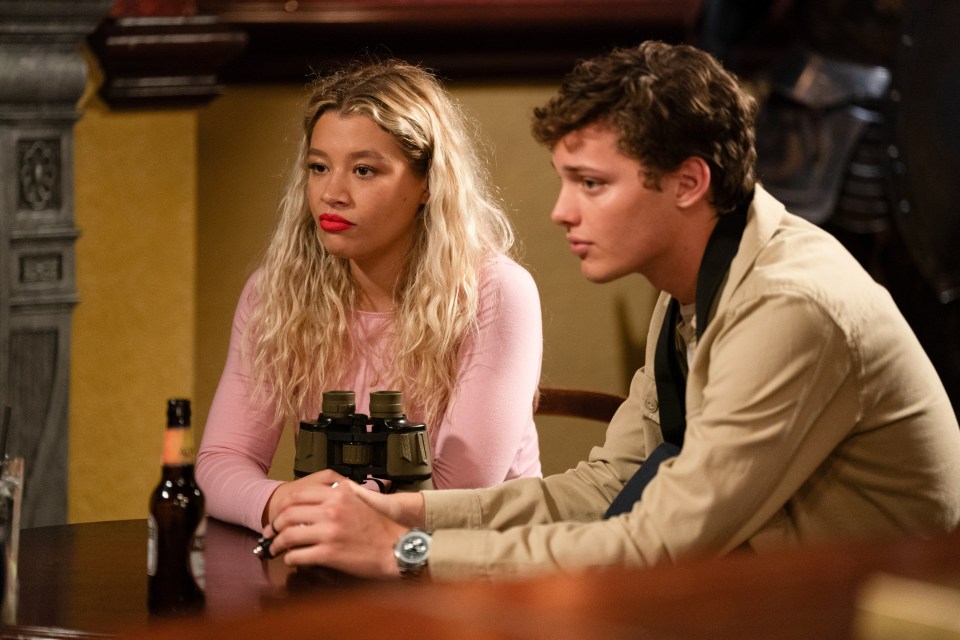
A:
x: 39, y: 180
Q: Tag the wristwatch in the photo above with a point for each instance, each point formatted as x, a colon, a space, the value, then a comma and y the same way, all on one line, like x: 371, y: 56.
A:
x: 411, y: 550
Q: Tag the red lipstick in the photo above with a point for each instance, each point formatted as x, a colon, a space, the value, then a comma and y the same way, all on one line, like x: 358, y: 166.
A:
x: 333, y: 223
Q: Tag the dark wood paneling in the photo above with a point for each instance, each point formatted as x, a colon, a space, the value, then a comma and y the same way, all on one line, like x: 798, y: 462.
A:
x: 460, y: 39
x: 178, y: 53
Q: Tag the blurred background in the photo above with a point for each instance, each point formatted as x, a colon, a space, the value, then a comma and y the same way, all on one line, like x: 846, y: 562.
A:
x: 144, y: 146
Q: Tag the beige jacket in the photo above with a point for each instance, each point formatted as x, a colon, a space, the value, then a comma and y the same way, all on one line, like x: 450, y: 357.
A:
x: 812, y: 414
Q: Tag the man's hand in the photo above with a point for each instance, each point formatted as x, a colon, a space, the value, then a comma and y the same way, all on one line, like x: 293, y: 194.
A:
x: 333, y: 522
x: 406, y: 508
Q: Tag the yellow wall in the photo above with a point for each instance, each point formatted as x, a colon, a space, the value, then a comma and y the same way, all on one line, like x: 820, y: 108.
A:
x: 133, y: 331
x: 247, y: 140
x: 154, y: 320
x: 589, y: 330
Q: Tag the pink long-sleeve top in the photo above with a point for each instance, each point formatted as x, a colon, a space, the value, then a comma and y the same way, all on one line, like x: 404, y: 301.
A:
x: 486, y: 435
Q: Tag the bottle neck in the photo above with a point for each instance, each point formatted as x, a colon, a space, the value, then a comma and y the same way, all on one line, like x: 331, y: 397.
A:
x: 177, y: 473
x: 178, y: 446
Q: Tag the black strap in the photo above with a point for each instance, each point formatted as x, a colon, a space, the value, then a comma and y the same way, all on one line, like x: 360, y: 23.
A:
x: 670, y: 379
x: 632, y: 491
x: 721, y: 249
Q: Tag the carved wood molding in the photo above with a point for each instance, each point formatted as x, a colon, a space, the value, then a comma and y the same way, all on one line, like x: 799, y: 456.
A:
x: 163, y: 61
x: 177, y: 52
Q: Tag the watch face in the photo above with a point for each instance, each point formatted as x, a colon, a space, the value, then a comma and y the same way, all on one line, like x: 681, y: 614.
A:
x: 413, y: 548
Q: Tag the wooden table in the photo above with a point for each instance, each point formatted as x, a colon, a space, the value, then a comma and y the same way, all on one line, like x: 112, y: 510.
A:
x: 89, y: 579
x: 83, y: 580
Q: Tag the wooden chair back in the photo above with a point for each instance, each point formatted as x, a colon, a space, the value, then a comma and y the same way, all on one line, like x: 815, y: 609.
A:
x: 578, y: 403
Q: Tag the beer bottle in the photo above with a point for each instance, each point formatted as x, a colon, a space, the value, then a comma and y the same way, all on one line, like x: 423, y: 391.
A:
x: 176, y: 524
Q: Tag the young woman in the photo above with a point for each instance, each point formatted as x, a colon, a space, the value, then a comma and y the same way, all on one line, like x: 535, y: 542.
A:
x: 388, y: 269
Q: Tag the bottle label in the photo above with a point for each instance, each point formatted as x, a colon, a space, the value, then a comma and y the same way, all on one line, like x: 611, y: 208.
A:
x: 178, y: 446
x: 151, y: 546
x: 198, y: 565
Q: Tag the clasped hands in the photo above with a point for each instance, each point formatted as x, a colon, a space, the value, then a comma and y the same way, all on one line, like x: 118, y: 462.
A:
x: 325, y: 519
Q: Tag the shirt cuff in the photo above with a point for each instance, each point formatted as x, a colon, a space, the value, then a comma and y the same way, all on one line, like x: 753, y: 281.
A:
x: 459, y: 554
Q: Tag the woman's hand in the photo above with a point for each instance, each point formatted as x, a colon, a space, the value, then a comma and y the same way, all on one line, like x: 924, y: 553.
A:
x: 321, y: 478
x: 406, y: 508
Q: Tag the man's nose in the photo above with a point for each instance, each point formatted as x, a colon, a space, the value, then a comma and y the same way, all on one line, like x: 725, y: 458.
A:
x: 564, y: 212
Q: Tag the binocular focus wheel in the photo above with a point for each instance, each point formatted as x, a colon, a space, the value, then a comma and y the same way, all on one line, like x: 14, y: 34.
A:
x: 357, y: 454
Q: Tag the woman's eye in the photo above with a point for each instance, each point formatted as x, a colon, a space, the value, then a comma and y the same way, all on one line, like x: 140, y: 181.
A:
x: 364, y: 171
x: 316, y: 167
x: 590, y: 183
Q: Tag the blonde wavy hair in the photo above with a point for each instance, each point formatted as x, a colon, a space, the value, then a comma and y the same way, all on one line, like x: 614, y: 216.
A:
x: 301, y: 332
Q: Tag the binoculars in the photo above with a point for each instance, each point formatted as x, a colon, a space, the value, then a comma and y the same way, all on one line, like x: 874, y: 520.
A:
x: 382, y: 446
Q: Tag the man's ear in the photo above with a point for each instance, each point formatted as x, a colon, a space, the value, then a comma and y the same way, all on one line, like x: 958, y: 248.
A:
x: 692, y: 182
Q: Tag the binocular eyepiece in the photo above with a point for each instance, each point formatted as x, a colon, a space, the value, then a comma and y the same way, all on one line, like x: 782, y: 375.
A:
x: 383, y: 445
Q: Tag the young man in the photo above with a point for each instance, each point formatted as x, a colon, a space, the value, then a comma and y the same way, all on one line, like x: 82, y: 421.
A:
x: 784, y: 399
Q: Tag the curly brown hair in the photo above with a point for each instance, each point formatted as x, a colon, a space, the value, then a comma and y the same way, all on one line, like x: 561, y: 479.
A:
x: 667, y: 103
